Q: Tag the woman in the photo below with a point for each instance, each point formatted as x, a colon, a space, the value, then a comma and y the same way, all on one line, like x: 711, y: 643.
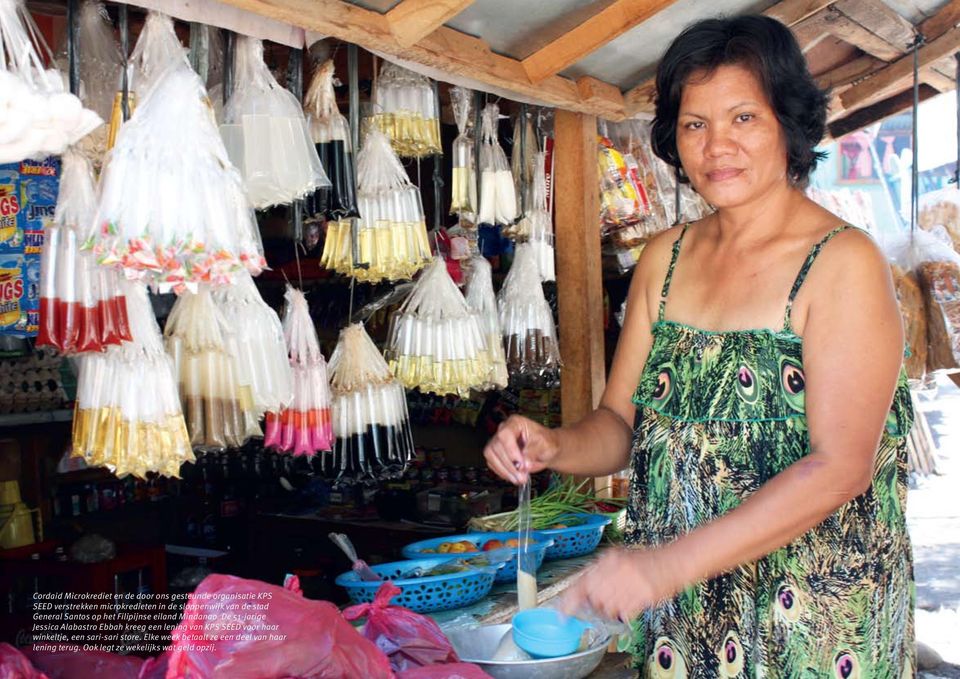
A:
x: 756, y: 394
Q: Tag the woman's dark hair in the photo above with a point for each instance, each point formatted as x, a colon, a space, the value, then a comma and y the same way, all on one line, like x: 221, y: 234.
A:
x: 768, y: 49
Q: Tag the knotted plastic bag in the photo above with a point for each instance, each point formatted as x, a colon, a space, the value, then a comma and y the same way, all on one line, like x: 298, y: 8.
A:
x: 409, y: 640
x: 280, y: 635
x: 498, y: 194
x: 405, y: 109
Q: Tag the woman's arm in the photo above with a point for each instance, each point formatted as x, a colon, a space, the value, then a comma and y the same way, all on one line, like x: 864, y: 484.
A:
x: 853, y: 346
x: 599, y: 444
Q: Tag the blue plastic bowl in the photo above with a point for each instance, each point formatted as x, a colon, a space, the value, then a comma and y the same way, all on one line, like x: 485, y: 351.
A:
x: 546, y: 633
x: 576, y: 540
x: 509, y: 571
x: 423, y: 595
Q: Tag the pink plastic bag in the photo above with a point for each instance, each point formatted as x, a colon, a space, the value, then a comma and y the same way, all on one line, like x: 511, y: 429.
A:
x: 155, y: 668
x: 85, y: 664
x: 14, y: 665
x: 459, y: 670
x: 246, y: 629
x: 409, y: 639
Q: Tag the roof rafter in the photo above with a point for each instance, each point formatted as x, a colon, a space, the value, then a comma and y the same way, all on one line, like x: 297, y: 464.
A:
x: 444, y: 49
x: 878, y: 111
x: 607, y: 24
x: 412, y: 20
x: 789, y: 12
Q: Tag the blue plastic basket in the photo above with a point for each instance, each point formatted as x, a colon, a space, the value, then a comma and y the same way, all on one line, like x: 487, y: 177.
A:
x: 509, y: 571
x: 576, y: 540
x: 422, y: 595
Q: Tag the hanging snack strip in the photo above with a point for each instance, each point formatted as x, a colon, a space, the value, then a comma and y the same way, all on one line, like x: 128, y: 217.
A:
x: 127, y: 414
x: 527, y: 321
x: 405, y: 109
x: 255, y: 338
x: 303, y: 427
x: 435, y: 342
x: 40, y: 117
x: 330, y: 133
x: 81, y: 307
x: 266, y: 134
x: 172, y: 209
x: 100, y: 70
x: 369, y: 412
x: 498, y: 196
x: 539, y: 222
x: 196, y: 336
x: 482, y: 300
x: 463, y: 191
x: 391, y: 240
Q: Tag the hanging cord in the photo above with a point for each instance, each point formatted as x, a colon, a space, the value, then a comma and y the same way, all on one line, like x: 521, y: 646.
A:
x: 125, y: 62
x: 73, y: 47
x: 915, y: 169
x: 295, y: 85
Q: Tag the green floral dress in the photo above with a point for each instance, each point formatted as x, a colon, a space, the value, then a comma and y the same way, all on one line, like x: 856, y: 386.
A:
x: 719, y: 414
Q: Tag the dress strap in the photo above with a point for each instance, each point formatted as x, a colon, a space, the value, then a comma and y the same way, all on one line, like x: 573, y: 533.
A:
x: 669, y: 277
x: 805, y: 269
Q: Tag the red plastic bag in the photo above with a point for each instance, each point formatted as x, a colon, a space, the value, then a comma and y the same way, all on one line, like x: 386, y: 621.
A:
x: 14, y: 665
x: 459, y: 670
x: 77, y: 664
x: 155, y: 668
x: 246, y: 629
x: 409, y: 639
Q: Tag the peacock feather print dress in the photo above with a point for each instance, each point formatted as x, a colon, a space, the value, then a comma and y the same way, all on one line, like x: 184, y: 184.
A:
x: 718, y: 415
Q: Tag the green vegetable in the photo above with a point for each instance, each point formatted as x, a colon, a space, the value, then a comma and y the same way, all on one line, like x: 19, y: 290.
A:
x: 564, y: 497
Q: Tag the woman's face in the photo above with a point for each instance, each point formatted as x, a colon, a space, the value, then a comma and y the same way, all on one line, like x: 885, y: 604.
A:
x: 730, y: 142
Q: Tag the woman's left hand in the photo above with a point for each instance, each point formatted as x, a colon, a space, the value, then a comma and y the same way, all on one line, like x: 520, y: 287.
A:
x: 621, y: 584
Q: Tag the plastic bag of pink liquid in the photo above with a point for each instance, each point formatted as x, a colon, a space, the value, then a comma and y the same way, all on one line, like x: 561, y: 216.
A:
x: 234, y: 628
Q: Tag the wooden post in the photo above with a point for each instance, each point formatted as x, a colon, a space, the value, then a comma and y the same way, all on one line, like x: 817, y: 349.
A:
x: 579, y: 283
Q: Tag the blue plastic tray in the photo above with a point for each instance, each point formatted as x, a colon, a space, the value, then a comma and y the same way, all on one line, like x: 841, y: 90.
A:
x: 422, y: 595
x: 576, y: 540
x: 509, y: 571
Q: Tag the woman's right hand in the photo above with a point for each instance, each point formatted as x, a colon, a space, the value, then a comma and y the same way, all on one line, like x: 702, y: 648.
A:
x: 519, y: 448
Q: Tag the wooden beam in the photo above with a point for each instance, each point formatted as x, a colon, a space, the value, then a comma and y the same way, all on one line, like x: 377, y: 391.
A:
x: 883, y: 109
x: 612, y: 21
x: 640, y: 99
x: 579, y: 280
x: 412, y: 20
x: 445, y: 49
x: 790, y: 12
x: 835, y: 23
x: 812, y: 30
x: 849, y: 72
x: 946, y: 18
x: 892, y: 77
x: 937, y: 80
x: 878, y: 18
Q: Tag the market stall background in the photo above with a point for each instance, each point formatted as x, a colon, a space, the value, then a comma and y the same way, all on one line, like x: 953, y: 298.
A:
x: 507, y: 140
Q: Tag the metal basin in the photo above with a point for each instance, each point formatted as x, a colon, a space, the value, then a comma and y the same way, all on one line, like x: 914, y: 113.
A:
x: 478, y: 644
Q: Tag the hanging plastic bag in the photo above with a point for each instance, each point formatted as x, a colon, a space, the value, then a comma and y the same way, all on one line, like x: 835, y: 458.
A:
x: 941, y: 208
x: 938, y: 270
x: 127, y: 415
x: 288, y: 636
x: 409, y: 639
x: 331, y: 135
x: 305, y: 426
x: 435, y: 342
x: 498, y: 196
x: 389, y: 241
x: 100, y: 70
x: 40, y: 116
x: 405, y: 109
x: 480, y: 298
x: 81, y: 308
x: 255, y: 338
x: 266, y: 135
x: 370, y: 417
x: 463, y: 190
x: 523, y: 161
x: 172, y: 209
x: 197, y: 337
x: 529, y: 331
x: 539, y: 221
